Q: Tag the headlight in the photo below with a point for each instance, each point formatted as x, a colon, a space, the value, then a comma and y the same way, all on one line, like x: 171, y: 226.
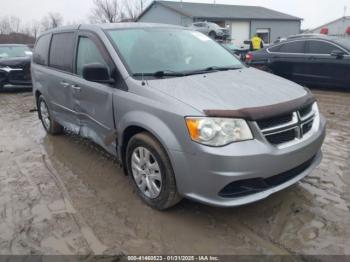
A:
x: 218, y: 131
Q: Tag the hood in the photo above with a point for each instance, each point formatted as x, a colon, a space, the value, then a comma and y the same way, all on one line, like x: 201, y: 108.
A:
x: 230, y: 90
x: 15, y: 62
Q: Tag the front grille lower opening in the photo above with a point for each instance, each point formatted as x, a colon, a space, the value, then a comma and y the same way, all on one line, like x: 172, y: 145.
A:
x: 248, y: 187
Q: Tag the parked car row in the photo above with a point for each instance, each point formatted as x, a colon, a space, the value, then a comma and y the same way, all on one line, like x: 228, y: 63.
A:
x: 15, y: 65
x: 311, y: 60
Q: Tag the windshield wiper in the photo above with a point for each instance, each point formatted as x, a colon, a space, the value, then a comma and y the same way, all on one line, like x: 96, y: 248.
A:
x: 212, y: 69
x: 223, y: 68
x: 162, y: 73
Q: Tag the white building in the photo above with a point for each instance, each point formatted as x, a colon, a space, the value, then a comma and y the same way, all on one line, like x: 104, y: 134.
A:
x: 243, y: 21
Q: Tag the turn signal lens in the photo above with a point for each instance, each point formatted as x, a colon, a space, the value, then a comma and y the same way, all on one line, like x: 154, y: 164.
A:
x: 192, y: 125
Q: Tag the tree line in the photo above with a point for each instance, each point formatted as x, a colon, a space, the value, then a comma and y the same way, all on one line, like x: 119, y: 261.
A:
x: 102, y: 11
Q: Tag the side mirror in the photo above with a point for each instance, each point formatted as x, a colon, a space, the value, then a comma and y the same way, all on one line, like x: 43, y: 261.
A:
x: 338, y: 53
x: 97, y: 73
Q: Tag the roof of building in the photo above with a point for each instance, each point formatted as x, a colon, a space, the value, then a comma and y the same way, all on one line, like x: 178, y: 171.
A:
x: 220, y: 11
x: 344, y: 18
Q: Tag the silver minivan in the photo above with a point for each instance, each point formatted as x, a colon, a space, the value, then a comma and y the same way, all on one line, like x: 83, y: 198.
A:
x: 183, y: 116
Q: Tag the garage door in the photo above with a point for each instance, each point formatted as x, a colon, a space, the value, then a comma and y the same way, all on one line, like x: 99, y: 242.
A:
x: 240, y: 32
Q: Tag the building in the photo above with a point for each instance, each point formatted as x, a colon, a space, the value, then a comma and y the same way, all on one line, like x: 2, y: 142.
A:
x: 243, y: 21
x: 339, y: 27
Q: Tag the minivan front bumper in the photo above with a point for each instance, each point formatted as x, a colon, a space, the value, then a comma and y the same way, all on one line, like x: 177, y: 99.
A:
x: 203, y: 175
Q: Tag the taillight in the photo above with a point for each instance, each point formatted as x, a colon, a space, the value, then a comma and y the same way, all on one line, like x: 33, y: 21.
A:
x: 249, y: 57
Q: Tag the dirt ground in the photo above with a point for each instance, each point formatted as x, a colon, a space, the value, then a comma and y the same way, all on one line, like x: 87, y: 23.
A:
x: 64, y: 195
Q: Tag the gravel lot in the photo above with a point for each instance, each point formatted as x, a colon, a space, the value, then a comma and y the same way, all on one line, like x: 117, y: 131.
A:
x: 65, y: 195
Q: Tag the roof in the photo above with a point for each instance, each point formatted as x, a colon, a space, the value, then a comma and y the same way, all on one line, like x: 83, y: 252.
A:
x: 220, y: 11
x: 342, y: 41
x: 332, y: 22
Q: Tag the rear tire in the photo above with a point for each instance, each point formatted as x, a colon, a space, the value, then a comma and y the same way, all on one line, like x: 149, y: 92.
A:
x: 150, y: 172
x: 50, y: 125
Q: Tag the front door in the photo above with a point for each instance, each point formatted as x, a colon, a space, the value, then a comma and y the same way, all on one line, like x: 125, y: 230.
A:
x: 289, y: 60
x: 94, y: 101
x: 324, y: 68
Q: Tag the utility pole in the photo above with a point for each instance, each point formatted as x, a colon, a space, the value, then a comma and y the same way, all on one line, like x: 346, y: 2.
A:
x: 345, y: 9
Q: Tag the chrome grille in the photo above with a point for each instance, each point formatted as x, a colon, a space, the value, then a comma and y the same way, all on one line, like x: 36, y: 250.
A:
x: 287, y: 128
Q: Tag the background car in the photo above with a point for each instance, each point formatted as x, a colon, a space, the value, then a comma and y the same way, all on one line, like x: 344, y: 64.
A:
x: 15, y: 65
x: 315, y: 60
x: 240, y: 52
x: 211, y: 29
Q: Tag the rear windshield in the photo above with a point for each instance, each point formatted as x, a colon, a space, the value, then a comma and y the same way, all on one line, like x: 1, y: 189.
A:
x: 14, y: 51
x: 146, y: 51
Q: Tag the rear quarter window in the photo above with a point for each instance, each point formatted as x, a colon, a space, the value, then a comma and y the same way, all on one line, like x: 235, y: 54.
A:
x: 62, y: 51
x: 41, y: 50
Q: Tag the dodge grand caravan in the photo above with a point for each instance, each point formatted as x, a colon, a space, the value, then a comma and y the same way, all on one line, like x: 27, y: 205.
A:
x: 184, y: 116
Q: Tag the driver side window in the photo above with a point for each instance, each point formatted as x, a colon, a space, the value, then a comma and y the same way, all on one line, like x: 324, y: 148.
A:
x: 88, y: 53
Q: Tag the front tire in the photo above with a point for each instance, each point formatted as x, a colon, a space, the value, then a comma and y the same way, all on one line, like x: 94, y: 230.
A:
x: 50, y: 125
x: 151, y: 173
x: 212, y: 35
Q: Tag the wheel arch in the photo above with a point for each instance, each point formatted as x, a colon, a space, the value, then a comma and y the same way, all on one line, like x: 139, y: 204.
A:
x: 150, y: 124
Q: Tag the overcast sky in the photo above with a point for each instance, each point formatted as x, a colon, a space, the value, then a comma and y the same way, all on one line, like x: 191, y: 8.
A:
x: 314, y: 12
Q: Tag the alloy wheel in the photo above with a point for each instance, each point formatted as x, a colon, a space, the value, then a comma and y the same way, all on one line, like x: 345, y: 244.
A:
x: 45, y: 116
x: 146, y: 172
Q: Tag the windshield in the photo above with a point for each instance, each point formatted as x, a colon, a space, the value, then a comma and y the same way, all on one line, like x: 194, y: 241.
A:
x: 146, y: 51
x: 14, y: 51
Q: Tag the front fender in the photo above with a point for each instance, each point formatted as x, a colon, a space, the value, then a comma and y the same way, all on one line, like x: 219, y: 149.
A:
x: 153, y: 124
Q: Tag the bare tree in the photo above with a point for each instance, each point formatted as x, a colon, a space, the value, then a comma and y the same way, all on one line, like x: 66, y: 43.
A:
x: 131, y: 10
x: 5, y: 25
x: 10, y: 24
x: 34, y: 29
x: 52, y: 20
x: 106, y: 11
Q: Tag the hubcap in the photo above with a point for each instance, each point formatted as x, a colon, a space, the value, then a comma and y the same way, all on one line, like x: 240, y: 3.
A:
x: 45, y: 117
x: 146, y: 172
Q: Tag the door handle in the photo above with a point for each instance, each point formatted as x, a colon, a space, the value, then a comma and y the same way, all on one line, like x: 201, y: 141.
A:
x: 64, y: 84
x: 77, y: 88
